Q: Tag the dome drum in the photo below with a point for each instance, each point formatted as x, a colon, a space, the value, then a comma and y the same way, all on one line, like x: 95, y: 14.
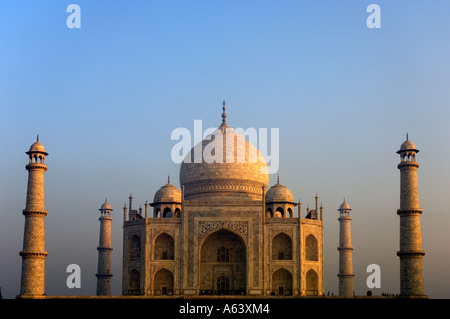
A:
x: 224, y: 188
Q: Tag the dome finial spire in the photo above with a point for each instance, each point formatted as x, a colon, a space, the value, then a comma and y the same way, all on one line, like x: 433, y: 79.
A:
x: 224, y: 115
x: 407, y: 136
x: 37, y: 138
x: 168, y: 178
x: 278, y: 178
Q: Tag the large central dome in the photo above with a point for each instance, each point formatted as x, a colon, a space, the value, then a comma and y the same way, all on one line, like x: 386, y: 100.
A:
x: 230, y: 167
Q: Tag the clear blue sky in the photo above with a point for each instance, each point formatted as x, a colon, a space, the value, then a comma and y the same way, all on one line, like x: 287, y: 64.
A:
x: 105, y: 98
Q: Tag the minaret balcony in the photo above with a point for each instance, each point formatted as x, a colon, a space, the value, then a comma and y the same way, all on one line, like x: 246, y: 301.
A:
x: 36, y: 166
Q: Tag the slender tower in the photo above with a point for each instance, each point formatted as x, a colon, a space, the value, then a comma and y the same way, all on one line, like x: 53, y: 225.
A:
x: 411, y: 253
x: 33, y: 254
x: 104, y: 252
x: 124, y: 248
x: 345, y: 252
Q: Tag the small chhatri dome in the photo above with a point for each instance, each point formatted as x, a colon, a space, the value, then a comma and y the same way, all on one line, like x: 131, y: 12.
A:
x: 105, y: 206
x: 279, y: 193
x: 167, y: 193
x: 37, y: 147
x: 344, y: 206
x: 407, y: 146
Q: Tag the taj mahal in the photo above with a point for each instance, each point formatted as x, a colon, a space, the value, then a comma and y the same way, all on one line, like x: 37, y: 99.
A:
x: 225, y: 231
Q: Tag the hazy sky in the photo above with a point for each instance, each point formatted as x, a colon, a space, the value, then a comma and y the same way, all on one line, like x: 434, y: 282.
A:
x: 105, y: 98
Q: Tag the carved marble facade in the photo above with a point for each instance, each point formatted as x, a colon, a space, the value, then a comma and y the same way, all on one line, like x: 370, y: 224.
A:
x: 224, y: 232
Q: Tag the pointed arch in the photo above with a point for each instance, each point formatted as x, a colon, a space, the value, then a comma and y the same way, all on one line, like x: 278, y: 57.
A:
x: 167, y: 213
x: 282, y: 282
x: 279, y: 212
x: 282, y: 247
x: 311, y: 248
x: 134, y: 248
x: 290, y: 212
x: 134, y: 282
x: 163, y: 282
x: 223, y: 254
x: 312, y: 283
x: 164, y: 248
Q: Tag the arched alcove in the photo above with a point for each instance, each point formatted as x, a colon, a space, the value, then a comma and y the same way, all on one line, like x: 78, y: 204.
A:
x: 164, y: 247
x: 163, y: 282
x: 311, y: 248
x: 223, y: 254
x: 134, y: 249
x: 282, y: 282
x: 281, y: 247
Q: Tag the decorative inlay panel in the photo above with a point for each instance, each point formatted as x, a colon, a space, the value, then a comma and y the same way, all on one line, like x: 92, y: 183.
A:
x: 206, y: 227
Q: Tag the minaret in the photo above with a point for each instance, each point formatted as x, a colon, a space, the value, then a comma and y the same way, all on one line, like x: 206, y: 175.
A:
x: 33, y: 254
x: 411, y: 253
x: 104, y: 252
x: 345, y: 252
x: 124, y: 248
